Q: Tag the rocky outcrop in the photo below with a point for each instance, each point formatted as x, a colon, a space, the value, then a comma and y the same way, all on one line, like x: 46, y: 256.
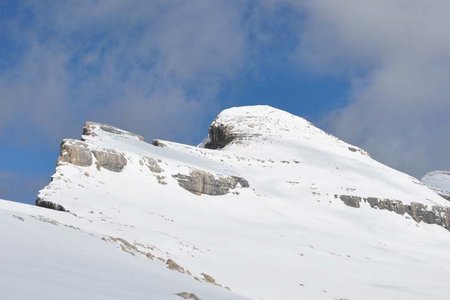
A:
x: 352, y: 201
x: 75, y: 152
x: 49, y: 205
x: 220, y: 135
x: 188, y: 296
x: 89, y: 129
x: 438, y: 215
x: 152, y: 164
x: 201, y: 182
x: 158, y: 143
x: 172, y: 265
x: 110, y: 160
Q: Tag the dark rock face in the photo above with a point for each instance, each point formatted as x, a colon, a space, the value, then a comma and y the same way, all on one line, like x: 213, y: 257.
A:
x: 158, y: 143
x: 220, y: 135
x: 201, y: 182
x: 352, y: 201
x: 75, y: 152
x: 438, y: 215
x: 49, y: 205
x: 110, y: 160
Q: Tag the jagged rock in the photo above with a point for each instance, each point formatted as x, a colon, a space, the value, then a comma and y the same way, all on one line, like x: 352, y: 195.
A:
x: 209, y: 278
x: 352, y: 201
x: 373, y: 202
x: 172, y: 265
x: 220, y: 135
x: 201, y: 182
x: 438, y: 215
x: 152, y: 164
x: 188, y: 296
x: 75, y: 152
x: 444, y: 215
x: 110, y: 160
x: 49, y: 205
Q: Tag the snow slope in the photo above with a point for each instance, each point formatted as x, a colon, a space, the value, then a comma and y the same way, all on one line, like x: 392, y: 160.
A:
x: 47, y: 259
x: 286, y: 236
x: 439, y: 181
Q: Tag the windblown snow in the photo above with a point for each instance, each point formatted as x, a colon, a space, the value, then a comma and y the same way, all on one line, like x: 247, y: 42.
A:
x: 266, y: 207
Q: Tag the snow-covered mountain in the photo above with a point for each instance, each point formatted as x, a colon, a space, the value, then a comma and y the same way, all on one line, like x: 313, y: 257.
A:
x: 438, y: 181
x: 266, y: 207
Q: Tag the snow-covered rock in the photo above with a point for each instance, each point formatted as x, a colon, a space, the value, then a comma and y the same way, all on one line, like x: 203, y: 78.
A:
x: 268, y: 205
x: 438, y: 181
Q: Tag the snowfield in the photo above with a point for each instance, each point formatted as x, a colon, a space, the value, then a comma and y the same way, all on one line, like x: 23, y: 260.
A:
x: 438, y: 181
x: 142, y: 231
x: 45, y: 259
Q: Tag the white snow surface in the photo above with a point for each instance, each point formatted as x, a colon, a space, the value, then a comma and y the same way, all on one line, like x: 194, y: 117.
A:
x: 439, y: 181
x: 42, y: 258
x: 287, y: 236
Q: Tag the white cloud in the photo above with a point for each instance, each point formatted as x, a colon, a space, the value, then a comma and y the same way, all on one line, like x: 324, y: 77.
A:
x: 138, y: 64
x: 397, y: 56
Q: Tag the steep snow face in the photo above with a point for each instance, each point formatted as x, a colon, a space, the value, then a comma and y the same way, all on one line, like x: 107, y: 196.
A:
x: 258, y: 208
x: 335, y: 167
x: 439, y: 181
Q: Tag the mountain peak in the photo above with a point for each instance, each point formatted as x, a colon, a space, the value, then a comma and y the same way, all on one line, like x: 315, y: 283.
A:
x: 259, y: 122
x: 280, y: 185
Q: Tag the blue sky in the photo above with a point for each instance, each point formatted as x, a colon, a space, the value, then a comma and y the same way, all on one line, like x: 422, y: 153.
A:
x: 374, y: 73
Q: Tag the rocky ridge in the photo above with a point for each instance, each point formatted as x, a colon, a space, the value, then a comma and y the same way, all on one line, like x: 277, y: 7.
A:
x: 439, y: 215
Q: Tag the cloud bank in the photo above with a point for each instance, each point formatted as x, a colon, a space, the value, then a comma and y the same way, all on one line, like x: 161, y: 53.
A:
x: 136, y: 64
x: 397, y: 56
